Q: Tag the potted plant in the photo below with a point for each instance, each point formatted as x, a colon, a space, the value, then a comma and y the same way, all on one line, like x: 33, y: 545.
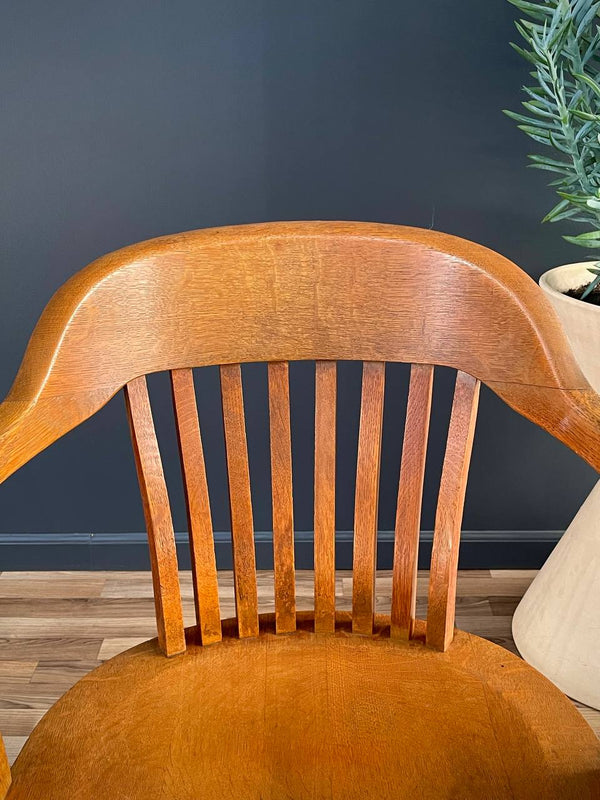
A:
x: 562, y: 113
x: 557, y: 624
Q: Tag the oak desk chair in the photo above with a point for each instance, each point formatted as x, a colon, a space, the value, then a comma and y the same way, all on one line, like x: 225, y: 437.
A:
x: 303, y: 705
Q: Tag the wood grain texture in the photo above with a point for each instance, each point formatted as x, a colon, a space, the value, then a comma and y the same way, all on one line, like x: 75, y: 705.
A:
x: 324, y: 493
x: 5, y: 776
x: 240, y: 500
x: 157, y: 512
x: 329, y: 717
x: 204, y: 567
x: 366, y: 501
x: 283, y: 510
x: 448, y: 519
x: 275, y: 293
x: 410, y: 496
x: 403, y: 294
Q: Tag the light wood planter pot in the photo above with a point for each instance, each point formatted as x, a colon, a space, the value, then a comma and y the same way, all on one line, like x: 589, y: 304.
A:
x: 556, y: 626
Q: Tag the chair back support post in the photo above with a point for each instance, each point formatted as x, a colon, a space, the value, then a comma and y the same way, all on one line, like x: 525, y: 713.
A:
x: 448, y: 519
x: 159, y: 524
x: 282, y: 497
x: 240, y: 500
x: 324, y: 495
x: 410, y: 495
x: 367, y: 497
x: 202, y: 550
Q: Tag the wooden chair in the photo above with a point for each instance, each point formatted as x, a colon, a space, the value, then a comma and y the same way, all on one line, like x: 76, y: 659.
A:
x: 303, y: 705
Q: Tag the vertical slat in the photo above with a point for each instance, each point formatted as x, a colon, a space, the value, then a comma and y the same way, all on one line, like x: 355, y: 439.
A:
x: 283, y: 513
x: 240, y: 500
x: 448, y: 518
x: 410, y: 494
x: 324, y: 495
x: 157, y: 511
x: 204, y: 568
x: 367, y: 497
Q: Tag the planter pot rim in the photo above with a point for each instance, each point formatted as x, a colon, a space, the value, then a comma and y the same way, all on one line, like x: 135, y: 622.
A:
x: 548, y: 284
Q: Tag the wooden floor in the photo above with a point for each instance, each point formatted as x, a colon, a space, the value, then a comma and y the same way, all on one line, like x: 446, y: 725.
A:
x: 56, y: 627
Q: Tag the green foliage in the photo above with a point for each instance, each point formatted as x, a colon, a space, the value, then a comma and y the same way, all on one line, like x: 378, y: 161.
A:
x: 562, y: 45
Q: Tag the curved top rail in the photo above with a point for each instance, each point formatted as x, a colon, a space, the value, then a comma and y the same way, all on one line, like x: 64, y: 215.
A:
x: 290, y: 291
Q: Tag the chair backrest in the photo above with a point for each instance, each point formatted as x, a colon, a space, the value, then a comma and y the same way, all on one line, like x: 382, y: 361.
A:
x: 322, y: 291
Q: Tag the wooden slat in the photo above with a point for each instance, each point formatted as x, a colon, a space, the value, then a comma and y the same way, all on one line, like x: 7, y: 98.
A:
x: 367, y: 497
x: 324, y: 495
x: 204, y: 568
x: 157, y: 512
x: 448, y: 519
x: 410, y: 494
x: 283, y: 512
x: 240, y: 500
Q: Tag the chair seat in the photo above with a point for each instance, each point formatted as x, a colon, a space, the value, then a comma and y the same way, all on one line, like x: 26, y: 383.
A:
x: 305, y: 716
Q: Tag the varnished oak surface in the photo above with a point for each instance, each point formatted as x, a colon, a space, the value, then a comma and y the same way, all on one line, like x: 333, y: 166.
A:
x: 409, y: 498
x: 55, y: 628
x: 294, y: 291
x: 301, y: 714
x: 280, y: 292
x: 306, y: 716
x: 448, y: 517
x: 157, y: 513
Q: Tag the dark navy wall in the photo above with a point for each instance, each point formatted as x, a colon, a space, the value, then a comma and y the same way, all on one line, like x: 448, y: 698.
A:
x: 127, y: 120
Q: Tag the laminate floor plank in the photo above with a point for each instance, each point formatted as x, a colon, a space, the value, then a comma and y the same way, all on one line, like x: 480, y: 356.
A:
x: 45, y: 585
x: 112, y: 647
x: 21, y: 671
x: 62, y: 674
x: 13, y: 745
x: 19, y: 721
x: 15, y: 647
